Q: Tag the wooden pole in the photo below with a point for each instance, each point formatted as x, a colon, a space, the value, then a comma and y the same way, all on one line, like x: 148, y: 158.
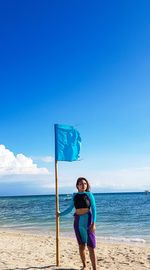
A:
x: 57, y: 207
x: 57, y: 218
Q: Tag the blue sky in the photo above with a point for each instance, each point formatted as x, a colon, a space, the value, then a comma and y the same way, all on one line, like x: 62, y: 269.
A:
x: 81, y: 63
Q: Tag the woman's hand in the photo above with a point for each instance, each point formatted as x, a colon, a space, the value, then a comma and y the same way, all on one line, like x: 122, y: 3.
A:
x: 58, y: 214
x: 92, y: 227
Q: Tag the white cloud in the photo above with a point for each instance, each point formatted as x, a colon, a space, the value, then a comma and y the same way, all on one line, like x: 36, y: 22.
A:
x: 19, y: 169
x: 18, y: 165
x: 46, y: 159
x: 129, y: 178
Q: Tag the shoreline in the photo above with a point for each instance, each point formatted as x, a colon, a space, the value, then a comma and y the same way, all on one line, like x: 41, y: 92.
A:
x: 65, y: 234
x: 22, y: 250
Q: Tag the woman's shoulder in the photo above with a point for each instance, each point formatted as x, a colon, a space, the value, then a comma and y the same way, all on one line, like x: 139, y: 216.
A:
x: 90, y: 194
x: 81, y: 193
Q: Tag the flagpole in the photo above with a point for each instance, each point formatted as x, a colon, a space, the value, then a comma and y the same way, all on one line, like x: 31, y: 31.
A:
x: 63, y: 141
x: 57, y: 206
x: 57, y: 210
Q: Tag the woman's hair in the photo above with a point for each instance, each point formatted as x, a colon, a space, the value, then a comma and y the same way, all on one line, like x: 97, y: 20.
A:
x: 80, y: 179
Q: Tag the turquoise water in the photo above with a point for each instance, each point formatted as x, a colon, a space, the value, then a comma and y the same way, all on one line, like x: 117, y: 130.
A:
x: 120, y: 216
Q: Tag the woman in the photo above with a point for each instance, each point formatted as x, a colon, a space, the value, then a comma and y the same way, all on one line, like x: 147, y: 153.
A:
x: 84, y: 219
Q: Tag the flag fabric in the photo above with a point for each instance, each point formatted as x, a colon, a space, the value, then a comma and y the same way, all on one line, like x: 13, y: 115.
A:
x: 67, y: 143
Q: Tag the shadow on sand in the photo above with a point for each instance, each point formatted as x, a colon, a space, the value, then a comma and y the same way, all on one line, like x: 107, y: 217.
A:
x: 33, y: 267
x: 52, y: 267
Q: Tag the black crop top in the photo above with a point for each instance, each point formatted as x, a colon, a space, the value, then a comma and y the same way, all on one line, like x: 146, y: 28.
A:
x: 81, y: 201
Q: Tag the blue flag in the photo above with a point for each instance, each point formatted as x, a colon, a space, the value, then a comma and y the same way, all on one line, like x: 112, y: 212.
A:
x: 67, y: 143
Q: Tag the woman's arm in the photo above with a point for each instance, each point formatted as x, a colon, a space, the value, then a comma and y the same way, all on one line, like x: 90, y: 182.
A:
x: 93, y: 206
x: 68, y: 209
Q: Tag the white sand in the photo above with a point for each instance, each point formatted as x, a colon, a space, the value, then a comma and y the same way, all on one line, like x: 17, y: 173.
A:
x: 26, y: 252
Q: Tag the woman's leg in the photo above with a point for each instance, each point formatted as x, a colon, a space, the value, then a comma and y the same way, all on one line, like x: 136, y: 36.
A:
x: 80, y: 227
x: 92, y: 254
x: 82, y: 255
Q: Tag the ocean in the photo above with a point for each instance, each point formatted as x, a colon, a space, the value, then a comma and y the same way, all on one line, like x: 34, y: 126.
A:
x: 121, y: 217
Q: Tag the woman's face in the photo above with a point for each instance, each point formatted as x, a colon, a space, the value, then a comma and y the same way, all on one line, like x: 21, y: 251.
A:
x: 82, y: 186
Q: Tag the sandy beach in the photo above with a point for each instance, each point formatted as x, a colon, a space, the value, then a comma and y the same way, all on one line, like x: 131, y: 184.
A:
x: 24, y: 251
